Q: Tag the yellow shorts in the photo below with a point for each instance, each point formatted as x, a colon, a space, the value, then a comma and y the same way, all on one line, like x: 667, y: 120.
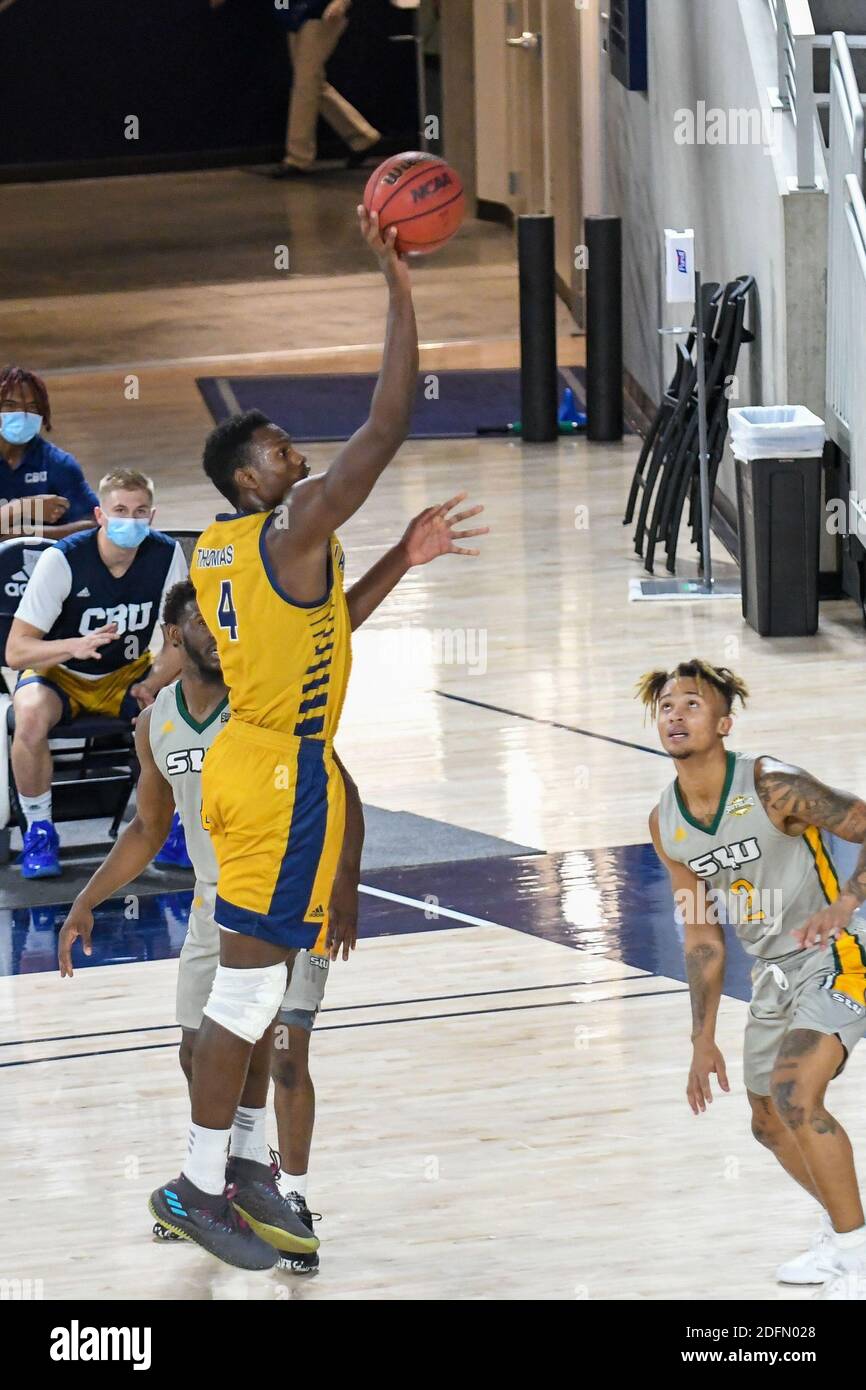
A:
x: 275, y: 807
x: 107, y: 694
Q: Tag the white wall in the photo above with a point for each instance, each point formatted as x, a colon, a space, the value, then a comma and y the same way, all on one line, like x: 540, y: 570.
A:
x: 728, y: 193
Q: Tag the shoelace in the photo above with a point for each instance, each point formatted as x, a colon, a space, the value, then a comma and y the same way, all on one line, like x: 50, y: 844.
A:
x: 294, y: 1199
x: 37, y: 838
x: 234, y: 1216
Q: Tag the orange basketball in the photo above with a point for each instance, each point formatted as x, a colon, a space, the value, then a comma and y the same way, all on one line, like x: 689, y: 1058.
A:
x: 421, y: 196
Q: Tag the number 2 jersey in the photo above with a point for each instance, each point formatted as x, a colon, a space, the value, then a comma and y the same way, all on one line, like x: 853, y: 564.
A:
x: 286, y: 663
x: 769, y: 882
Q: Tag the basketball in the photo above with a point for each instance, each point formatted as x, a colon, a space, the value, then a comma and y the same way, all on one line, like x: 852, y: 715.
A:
x: 421, y: 196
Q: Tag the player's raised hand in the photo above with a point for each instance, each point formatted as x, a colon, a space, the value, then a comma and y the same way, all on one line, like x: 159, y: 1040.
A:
x: 78, y: 926
x: 381, y: 244
x: 706, y: 1059
x: 824, y: 926
x: 87, y: 648
x: 433, y: 532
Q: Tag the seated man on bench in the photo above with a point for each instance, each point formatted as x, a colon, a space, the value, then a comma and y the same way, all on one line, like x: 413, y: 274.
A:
x: 87, y: 640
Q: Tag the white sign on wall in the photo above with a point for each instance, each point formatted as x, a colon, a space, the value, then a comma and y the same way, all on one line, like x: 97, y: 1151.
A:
x: 679, y: 266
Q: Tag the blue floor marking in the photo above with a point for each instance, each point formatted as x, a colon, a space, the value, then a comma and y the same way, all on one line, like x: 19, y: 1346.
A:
x: 613, y: 904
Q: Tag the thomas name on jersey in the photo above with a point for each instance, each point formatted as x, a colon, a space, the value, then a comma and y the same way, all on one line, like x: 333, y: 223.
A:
x: 212, y: 558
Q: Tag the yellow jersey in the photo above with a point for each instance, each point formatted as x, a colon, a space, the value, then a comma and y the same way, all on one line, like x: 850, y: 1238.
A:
x: 286, y: 664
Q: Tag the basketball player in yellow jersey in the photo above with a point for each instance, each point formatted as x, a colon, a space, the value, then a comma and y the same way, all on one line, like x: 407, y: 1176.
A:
x: 269, y: 583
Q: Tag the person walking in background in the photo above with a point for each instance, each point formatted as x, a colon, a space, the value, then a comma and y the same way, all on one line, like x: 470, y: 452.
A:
x: 315, y: 28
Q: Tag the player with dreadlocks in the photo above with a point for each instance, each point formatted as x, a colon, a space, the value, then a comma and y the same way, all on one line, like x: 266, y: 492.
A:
x: 742, y: 839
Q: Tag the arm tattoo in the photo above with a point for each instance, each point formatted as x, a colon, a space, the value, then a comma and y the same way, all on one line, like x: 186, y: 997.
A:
x: 698, y: 960
x: 789, y: 794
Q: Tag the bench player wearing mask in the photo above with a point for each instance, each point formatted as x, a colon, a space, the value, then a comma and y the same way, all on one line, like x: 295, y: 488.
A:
x: 87, y: 639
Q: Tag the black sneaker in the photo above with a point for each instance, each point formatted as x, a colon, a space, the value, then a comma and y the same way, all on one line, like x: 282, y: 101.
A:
x: 299, y: 1204
x: 298, y: 1264
x: 211, y: 1222
x: 272, y: 1216
x: 162, y: 1233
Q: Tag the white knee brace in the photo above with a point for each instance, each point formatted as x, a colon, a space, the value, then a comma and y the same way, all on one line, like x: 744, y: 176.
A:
x: 244, y: 1002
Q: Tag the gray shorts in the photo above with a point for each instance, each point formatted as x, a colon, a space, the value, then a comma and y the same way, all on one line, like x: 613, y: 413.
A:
x: 824, y: 991
x: 199, y: 958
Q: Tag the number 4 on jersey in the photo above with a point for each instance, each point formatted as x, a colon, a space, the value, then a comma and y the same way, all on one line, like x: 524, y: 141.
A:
x: 226, y: 615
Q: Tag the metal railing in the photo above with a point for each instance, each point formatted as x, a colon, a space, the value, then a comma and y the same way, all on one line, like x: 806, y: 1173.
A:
x: 795, y: 40
x: 846, y: 329
x: 846, y: 382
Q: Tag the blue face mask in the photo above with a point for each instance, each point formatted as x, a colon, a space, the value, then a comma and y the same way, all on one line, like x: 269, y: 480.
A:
x: 125, y: 532
x: 19, y: 426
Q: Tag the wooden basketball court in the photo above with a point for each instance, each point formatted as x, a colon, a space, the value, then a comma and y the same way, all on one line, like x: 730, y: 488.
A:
x: 501, y: 1067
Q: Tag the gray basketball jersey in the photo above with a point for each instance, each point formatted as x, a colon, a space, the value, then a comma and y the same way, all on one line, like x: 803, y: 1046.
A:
x: 178, y: 743
x: 768, y: 882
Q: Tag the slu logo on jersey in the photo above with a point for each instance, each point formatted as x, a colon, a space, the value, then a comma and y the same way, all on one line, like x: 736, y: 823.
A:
x: 130, y: 617
x: 184, y: 760
x: 741, y: 806
x: 725, y: 857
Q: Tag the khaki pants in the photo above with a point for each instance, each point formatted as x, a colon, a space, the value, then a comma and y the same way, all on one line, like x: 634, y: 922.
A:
x: 310, y: 48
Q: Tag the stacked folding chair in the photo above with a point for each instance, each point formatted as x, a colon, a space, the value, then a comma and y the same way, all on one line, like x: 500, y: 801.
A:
x: 667, y: 472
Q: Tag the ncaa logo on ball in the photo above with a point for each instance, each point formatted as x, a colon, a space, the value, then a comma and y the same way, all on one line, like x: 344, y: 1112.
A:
x: 432, y: 186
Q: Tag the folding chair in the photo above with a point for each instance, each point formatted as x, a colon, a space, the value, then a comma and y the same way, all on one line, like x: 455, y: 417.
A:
x: 663, y: 440
x: 95, y: 767
x: 731, y: 335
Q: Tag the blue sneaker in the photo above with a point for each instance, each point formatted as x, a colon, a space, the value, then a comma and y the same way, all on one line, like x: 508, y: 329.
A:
x: 40, y: 857
x: 173, y: 851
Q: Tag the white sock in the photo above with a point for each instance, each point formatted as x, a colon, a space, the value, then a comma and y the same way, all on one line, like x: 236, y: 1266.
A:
x: 848, y: 1240
x: 206, y: 1158
x: 292, y: 1182
x: 248, y: 1135
x: 36, y: 807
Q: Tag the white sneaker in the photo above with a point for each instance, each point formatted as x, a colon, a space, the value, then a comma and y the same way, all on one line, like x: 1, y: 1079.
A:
x: 814, y: 1266
x: 848, y: 1284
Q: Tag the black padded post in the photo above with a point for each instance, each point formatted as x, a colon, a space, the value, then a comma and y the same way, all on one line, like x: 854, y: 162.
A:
x: 603, y: 236
x: 538, y: 381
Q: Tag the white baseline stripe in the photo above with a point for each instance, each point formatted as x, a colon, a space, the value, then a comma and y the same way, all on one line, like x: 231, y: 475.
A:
x: 430, y: 909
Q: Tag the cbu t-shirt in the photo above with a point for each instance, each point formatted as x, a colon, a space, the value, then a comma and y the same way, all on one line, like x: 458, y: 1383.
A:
x: 72, y: 592
x: 46, y: 469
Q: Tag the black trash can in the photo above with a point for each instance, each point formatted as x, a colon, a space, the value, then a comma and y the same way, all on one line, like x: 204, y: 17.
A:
x: 779, y: 508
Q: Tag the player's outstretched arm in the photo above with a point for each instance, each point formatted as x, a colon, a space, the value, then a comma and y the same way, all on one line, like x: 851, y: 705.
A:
x: 430, y: 534
x: 131, y: 853
x: 321, y: 504
x: 705, y: 972
x: 343, y: 908
x: 796, y: 801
